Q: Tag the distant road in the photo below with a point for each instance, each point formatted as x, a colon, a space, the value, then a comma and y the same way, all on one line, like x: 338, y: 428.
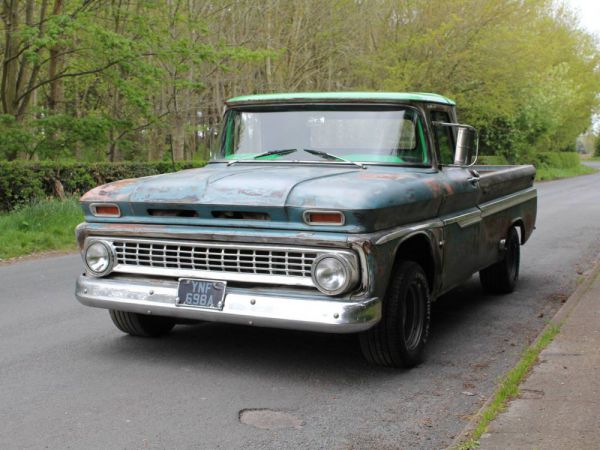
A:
x: 69, y: 379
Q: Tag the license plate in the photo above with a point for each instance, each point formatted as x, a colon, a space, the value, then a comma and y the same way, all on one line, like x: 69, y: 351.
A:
x: 207, y: 294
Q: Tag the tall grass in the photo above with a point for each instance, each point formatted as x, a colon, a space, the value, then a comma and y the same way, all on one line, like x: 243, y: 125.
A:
x: 555, y: 173
x: 41, y: 226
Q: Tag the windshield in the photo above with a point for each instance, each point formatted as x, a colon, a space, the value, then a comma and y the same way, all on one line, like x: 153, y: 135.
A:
x: 376, y: 136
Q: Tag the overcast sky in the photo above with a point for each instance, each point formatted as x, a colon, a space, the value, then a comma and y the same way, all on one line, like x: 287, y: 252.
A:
x: 589, y: 16
x: 588, y: 12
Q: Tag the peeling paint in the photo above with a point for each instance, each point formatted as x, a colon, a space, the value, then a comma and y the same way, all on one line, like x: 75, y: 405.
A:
x: 385, y: 176
x: 115, y: 191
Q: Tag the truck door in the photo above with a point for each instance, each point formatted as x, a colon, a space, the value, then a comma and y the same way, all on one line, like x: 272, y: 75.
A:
x: 458, y: 211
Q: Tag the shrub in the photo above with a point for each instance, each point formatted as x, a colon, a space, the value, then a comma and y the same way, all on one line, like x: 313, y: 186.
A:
x: 24, y: 182
x: 597, y: 147
x: 559, y: 160
x: 492, y: 160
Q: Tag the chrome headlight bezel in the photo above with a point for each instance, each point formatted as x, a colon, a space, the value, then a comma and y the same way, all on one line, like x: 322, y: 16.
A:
x: 349, y: 267
x: 110, y: 255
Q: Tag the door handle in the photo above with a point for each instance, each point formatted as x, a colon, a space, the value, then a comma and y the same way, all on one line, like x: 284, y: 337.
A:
x: 473, y: 180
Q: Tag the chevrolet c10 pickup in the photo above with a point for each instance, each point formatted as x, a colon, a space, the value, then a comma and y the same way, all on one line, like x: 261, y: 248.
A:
x: 333, y: 212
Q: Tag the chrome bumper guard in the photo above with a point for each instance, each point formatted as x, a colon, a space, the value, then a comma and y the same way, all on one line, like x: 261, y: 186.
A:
x: 157, y: 297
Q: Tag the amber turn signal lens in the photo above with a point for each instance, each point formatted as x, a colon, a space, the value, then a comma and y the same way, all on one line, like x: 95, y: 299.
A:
x: 106, y: 210
x: 324, y: 218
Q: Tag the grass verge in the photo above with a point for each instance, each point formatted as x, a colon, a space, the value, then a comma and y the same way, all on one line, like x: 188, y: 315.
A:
x: 41, y: 226
x: 509, y: 386
x: 554, y: 173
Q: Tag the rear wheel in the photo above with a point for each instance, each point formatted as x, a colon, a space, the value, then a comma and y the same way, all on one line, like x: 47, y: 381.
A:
x: 398, y: 340
x: 140, y: 324
x: 501, y: 278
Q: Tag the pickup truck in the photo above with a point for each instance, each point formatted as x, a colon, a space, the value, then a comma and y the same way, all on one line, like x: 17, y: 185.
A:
x: 332, y: 212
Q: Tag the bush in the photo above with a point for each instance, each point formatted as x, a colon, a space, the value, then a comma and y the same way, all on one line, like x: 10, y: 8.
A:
x: 492, y: 160
x: 559, y: 160
x: 597, y: 147
x: 24, y: 182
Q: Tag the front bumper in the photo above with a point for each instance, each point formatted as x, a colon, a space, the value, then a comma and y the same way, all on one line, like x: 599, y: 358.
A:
x: 157, y: 297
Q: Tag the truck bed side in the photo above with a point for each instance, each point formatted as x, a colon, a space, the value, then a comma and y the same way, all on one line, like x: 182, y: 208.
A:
x: 498, y: 181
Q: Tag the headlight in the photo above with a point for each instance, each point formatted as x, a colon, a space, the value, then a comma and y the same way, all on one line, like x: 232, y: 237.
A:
x: 98, y: 258
x: 333, y: 274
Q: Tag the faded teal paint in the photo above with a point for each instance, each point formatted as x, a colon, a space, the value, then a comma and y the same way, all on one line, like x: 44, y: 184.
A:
x: 377, y: 198
x: 389, y: 209
x: 343, y: 96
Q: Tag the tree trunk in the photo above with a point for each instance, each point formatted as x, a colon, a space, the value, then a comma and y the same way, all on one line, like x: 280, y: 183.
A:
x: 10, y: 68
x: 55, y: 96
x: 178, y: 136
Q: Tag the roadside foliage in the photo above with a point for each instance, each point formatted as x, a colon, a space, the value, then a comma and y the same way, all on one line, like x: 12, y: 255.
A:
x: 24, y: 182
x: 146, y: 80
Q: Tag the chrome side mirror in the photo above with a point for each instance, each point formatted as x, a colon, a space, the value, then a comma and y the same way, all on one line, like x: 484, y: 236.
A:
x: 467, y: 146
x: 467, y: 143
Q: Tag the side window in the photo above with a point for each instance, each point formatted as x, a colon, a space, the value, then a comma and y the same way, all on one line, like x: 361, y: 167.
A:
x: 443, y: 137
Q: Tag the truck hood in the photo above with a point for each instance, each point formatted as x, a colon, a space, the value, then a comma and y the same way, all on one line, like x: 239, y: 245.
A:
x: 368, y: 196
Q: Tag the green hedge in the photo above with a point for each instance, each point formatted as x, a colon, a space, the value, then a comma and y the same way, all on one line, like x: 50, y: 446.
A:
x: 492, y: 160
x: 555, y: 160
x: 558, y: 160
x: 23, y: 182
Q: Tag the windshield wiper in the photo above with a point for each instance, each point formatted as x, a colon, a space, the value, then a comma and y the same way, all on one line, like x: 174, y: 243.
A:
x: 332, y: 156
x: 286, y: 151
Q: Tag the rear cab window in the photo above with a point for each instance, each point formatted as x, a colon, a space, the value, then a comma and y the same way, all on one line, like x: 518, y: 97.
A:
x: 444, y: 137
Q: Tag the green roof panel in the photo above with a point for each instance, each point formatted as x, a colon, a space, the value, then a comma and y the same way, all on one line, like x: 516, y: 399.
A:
x: 342, y: 96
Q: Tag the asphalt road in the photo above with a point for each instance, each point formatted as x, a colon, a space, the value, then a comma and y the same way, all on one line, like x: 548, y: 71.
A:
x: 69, y: 379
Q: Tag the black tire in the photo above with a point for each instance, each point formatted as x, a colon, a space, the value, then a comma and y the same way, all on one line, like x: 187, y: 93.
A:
x: 502, y: 277
x: 140, y: 324
x: 398, y: 340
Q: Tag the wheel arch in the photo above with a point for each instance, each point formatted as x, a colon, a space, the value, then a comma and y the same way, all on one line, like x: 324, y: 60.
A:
x: 519, y: 223
x: 421, y: 247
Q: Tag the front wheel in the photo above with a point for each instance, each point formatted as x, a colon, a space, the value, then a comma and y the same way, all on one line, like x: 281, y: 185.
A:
x: 398, y: 340
x: 141, y: 324
x: 501, y: 278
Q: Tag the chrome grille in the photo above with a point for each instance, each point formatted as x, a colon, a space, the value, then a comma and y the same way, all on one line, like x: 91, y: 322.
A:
x: 189, y: 256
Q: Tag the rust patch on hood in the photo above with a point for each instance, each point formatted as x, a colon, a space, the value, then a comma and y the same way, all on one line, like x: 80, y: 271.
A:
x: 261, y: 193
x: 109, y: 192
x: 384, y: 176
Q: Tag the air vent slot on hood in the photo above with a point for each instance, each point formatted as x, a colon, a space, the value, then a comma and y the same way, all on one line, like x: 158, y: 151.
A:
x: 173, y: 212
x: 241, y: 215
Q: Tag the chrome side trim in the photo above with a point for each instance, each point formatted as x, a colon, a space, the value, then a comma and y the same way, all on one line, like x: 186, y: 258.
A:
x: 408, y: 229
x: 156, y: 297
x: 508, y: 201
x: 464, y: 220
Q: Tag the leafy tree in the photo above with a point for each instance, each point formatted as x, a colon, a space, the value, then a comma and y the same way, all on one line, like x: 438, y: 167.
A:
x: 146, y: 79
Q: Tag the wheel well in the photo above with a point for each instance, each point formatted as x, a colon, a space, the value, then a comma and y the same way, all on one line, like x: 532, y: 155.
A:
x: 418, y: 249
x: 520, y: 226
